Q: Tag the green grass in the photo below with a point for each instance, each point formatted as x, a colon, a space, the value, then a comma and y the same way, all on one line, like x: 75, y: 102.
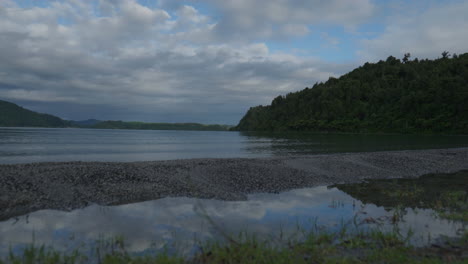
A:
x: 453, y: 206
x: 446, y: 194
x: 371, y: 246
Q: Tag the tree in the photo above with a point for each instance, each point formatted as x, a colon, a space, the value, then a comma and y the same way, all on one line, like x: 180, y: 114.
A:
x: 406, y: 57
x: 445, y: 54
x: 392, y: 60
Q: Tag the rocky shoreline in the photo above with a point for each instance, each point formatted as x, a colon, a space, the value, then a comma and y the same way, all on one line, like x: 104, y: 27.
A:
x: 69, y: 185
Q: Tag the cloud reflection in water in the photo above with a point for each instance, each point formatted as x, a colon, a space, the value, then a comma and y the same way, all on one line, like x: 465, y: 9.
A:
x: 180, y: 222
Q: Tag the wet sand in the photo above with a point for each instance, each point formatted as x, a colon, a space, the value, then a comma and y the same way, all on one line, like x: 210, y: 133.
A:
x: 69, y: 185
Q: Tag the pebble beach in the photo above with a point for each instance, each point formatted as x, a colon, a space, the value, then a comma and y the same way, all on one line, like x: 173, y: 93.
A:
x: 26, y: 188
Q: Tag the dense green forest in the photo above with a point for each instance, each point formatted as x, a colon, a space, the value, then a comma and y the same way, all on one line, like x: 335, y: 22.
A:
x: 159, y: 126
x: 404, y: 96
x: 12, y: 115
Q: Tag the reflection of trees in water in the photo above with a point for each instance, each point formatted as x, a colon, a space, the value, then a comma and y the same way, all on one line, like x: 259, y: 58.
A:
x: 310, y: 142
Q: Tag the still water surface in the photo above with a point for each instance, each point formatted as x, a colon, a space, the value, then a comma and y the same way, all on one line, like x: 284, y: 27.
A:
x: 23, y: 145
x: 180, y: 224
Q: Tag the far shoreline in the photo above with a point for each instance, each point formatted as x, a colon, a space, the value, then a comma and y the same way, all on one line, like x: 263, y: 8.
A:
x: 305, y: 132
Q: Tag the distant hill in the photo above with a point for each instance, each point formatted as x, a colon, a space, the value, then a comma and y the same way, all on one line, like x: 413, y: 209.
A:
x: 85, y: 123
x: 159, y: 126
x: 12, y: 115
x: 409, y: 96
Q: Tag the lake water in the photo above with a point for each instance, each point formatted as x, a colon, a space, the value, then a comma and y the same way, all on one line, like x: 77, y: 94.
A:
x: 23, y: 145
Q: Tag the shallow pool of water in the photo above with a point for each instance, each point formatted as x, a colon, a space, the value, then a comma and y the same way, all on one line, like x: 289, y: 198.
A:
x: 181, y: 224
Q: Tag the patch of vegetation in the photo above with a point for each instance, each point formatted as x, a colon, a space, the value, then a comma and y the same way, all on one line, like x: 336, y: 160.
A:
x: 371, y: 246
x: 447, y: 194
x: 403, y: 96
x: 453, y: 205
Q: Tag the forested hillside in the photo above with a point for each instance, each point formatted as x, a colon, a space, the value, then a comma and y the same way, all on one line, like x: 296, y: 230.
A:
x: 407, y: 96
x: 12, y: 115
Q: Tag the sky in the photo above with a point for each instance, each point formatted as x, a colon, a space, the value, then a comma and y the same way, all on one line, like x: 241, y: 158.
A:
x: 205, y: 61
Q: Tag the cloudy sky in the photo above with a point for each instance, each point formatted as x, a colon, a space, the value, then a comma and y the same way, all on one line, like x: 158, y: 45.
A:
x: 202, y: 60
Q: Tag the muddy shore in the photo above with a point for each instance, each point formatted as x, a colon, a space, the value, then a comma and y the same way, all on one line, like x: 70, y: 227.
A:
x: 69, y: 185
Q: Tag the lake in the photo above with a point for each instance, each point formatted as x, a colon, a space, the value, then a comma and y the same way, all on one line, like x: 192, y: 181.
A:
x: 24, y: 145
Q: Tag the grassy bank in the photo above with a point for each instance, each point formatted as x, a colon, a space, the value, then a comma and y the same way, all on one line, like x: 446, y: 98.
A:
x: 370, y: 246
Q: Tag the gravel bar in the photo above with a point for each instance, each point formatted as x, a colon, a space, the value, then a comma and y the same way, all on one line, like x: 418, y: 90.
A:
x: 69, y: 185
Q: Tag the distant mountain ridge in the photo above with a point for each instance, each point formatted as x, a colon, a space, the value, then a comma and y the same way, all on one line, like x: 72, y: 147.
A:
x: 402, y: 96
x: 159, y: 126
x: 12, y: 115
x: 86, y: 123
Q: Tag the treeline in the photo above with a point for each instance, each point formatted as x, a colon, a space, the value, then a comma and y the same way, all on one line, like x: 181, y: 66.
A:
x: 159, y: 126
x: 405, y: 96
x: 12, y: 115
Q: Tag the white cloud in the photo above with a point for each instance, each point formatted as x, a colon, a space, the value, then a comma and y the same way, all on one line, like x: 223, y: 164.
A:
x: 254, y: 19
x: 425, y: 35
x: 128, y: 56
